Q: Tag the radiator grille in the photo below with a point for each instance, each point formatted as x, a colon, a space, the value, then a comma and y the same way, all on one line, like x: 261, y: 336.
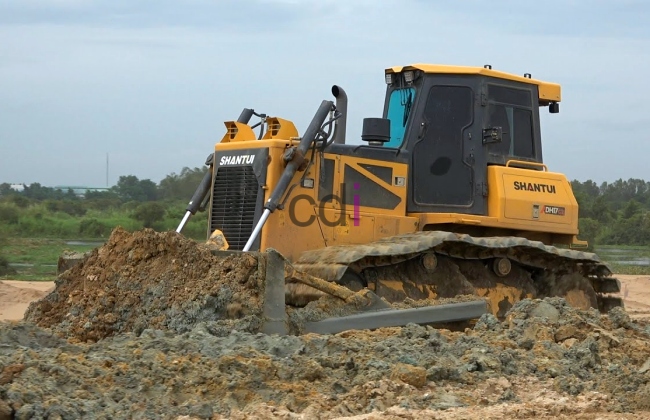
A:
x: 233, y: 204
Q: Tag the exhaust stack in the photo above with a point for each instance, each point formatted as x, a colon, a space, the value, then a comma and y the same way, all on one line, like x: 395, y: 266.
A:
x: 342, y: 107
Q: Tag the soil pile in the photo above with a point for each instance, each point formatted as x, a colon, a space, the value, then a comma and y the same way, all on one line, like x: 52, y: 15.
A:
x: 148, y: 279
x: 545, y: 359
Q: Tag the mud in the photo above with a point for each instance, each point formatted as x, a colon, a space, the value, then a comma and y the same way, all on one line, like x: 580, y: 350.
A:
x: 542, y: 348
x: 153, y: 280
x: 178, y: 349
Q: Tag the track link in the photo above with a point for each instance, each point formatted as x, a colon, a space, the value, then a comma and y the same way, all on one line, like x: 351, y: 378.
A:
x: 436, y: 264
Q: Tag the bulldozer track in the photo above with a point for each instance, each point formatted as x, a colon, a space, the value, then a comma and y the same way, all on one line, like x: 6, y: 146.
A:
x: 395, y: 267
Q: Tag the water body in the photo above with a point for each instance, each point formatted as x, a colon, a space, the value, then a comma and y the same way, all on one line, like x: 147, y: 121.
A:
x: 84, y: 243
x: 627, y: 256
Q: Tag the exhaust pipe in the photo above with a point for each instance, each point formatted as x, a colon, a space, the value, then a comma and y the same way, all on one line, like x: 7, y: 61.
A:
x: 342, y: 107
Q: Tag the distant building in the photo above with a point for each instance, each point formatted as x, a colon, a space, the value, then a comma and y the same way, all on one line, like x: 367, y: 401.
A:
x: 17, y: 187
x: 80, y: 191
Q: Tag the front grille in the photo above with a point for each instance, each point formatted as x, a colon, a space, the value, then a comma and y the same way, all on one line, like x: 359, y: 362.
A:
x: 233, y: 204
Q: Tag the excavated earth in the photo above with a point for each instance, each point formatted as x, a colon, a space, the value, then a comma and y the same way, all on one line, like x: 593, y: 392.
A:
x: 152, y: 325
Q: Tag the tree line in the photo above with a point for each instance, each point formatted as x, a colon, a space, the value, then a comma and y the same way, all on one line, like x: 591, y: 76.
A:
x: 132, y: 202
x: 614, y: 213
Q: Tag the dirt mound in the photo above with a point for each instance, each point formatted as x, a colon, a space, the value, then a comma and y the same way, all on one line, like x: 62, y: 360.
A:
x: 153, y: 280
x: 546, y: 360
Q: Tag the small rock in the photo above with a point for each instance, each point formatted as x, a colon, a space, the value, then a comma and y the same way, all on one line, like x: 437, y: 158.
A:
x: 645, y: 367
x: 565, y: 332
x: 412, y: 375
x: 569, y: 342
x: 619, y: 317
x: 546, y: 310
x: 5, y: 411
x: 487, y: 322
x: 9, y: 373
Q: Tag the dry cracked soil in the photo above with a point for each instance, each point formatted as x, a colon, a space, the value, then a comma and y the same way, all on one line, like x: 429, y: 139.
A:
x: 152, y: 325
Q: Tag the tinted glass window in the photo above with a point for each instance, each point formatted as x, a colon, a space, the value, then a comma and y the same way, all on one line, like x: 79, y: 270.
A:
x: 523, y: 133
x: 511, y: 109
x: 510, y: 95
x: 441, y: 175
x: 399, y: 110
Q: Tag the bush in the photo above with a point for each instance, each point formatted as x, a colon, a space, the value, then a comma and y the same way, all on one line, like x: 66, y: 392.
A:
x: 20, y: 200
x: 5, y: 268
x: 149, y: 213
x: 589, y: 231
x: 9, y: 214
x: 70, y: 207
x: 93, y: 228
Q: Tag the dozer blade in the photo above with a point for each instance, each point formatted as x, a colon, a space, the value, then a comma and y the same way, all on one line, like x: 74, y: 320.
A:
x: 452, y: 312
x: 371, y: 311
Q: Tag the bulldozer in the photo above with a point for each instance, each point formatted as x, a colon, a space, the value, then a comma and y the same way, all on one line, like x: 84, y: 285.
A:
x: 446, y: 195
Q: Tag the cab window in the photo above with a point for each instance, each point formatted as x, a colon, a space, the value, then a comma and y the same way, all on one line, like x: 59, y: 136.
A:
x: 399, y: 110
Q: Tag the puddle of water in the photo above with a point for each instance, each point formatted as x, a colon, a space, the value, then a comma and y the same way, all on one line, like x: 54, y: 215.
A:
x: 31, y: 265
x: 643, y: 262
x: 628, y: 256
x: 84, y: 243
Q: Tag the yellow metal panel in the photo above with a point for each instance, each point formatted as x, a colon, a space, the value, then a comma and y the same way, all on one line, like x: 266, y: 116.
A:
x: 400, y: 171
x: 549, y: 92
x: 281, y: 231
x: 539, y: 200
x: 279, y: 128
x: 366, y: 228
x: 282, y: 144
x: 236, y: 131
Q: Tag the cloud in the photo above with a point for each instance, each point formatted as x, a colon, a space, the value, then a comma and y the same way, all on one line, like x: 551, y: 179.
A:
x: 151, y: 82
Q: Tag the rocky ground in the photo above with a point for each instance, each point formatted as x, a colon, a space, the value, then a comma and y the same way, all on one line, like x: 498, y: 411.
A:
x: 170, y: 351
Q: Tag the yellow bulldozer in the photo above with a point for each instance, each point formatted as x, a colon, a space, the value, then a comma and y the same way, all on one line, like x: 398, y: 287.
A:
x: 448, y: 194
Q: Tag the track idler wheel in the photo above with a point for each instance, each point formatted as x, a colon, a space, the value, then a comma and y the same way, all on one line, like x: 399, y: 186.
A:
x: 501, y: 267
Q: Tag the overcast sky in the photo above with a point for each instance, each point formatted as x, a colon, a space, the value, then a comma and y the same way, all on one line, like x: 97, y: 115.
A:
x: 151, y: 82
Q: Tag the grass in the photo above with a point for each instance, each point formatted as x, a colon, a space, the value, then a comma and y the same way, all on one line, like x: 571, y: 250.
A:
x: 619, y: 256
x: 638, y: 270
x: 36, y: 259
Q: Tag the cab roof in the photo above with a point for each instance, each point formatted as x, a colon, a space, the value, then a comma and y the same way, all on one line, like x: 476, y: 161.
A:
x: 548, y: 92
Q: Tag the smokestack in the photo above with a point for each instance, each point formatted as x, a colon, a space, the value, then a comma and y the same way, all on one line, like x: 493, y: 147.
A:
x: 342, y: 107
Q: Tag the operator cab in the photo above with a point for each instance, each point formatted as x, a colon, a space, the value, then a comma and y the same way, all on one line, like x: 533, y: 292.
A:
x: 449, y: 123
x: 454, y: 98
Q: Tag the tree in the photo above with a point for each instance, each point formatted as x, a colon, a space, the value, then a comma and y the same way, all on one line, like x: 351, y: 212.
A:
x: 181, y: 186
x: 130, y: 188
x: 633, y: 207
x: 5, y: 268
x: 149, y: 213
x: 589, y: 231
x: 600, y: 210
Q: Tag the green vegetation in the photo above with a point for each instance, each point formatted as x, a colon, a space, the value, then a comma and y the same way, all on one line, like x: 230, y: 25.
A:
x: 58, y: 217
x: 36, y: 259
x: 626, y: 259
x: 616, y: 214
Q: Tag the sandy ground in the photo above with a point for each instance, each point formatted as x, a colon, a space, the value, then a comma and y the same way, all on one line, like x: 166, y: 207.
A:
x: 635, y: 291
x: 15, y: 296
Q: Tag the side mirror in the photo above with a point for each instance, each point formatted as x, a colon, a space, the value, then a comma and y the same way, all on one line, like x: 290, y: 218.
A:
x: 492, y: 135
x: 376, y: 131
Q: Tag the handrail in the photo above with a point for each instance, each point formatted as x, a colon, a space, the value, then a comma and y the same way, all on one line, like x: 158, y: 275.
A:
x: 523, y: 162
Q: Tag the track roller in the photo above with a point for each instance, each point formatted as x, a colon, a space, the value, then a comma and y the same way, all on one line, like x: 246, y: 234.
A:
x: 429, y: 261
x: 501, y: 267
